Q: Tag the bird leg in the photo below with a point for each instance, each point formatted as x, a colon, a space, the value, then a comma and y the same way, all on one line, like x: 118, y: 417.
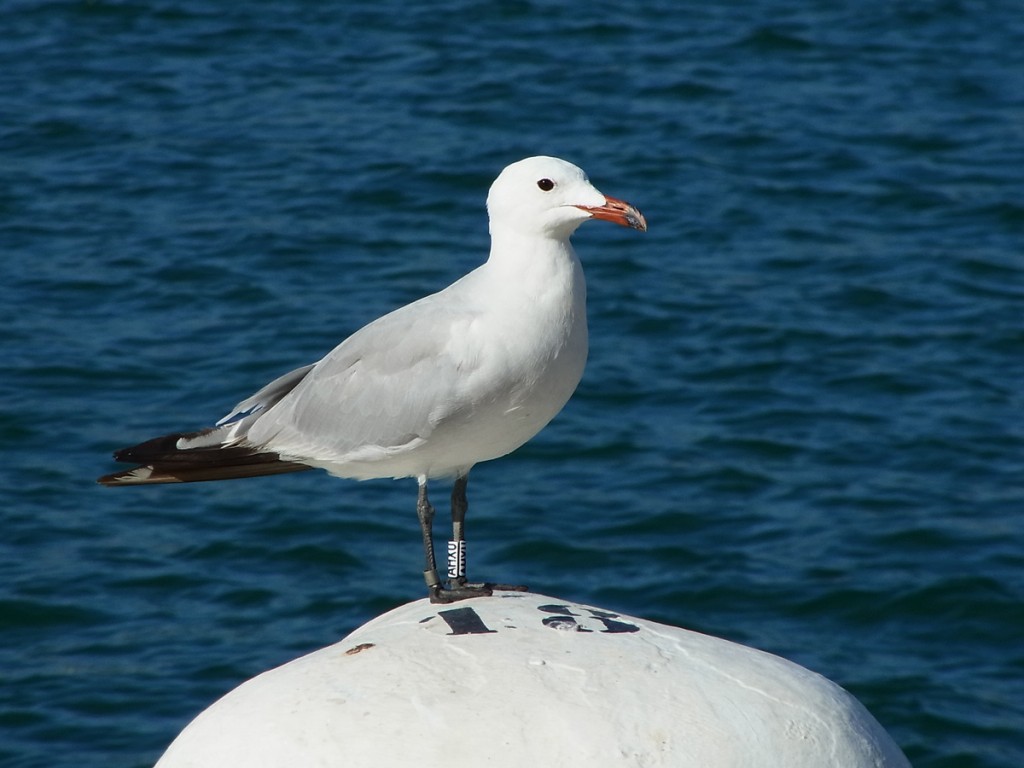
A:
x: 457, y: 546
x: 425, y: 513
x: 459, y: 590
x: 457, y: 550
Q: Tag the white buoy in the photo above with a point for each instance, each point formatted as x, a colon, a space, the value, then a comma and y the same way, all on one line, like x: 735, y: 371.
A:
x: 522, y: 679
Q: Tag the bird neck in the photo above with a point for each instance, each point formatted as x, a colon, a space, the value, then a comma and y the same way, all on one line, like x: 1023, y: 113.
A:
x: 542, y: 273
x: 521, y: 257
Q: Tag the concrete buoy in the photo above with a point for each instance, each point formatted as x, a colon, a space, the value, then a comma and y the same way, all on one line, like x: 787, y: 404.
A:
x: 522, y: 679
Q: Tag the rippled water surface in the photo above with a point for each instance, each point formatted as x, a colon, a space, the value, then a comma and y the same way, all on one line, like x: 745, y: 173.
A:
x: 801, y: 426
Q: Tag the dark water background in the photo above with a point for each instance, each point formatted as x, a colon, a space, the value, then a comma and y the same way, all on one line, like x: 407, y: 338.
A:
x: 801, y: 428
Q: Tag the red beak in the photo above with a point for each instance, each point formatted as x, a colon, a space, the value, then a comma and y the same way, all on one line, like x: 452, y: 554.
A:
x: 617, y: 212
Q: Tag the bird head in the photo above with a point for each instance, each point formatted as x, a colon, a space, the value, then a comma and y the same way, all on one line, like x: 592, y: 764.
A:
x: 548, y: 197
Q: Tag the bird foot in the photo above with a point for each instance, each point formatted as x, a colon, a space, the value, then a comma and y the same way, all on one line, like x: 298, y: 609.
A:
x: 463, y: 591
x: 507, y: 587
x: 458, y: 592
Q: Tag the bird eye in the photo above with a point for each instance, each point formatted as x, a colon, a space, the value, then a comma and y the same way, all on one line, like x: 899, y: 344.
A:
x: 546, y: 184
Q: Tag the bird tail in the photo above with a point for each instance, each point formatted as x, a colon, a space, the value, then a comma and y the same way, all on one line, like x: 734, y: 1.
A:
x: 220, y: 452
x: 190, y: 457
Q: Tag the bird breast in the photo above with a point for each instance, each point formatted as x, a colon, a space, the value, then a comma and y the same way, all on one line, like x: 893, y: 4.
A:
x: 522, y: 358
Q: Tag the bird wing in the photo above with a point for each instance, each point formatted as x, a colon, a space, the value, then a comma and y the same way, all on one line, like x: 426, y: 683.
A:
x: 266, y: 397
x: 382, y: 390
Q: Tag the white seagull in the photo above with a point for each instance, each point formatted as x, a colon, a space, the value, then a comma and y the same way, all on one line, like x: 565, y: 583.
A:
x: 461, y: 376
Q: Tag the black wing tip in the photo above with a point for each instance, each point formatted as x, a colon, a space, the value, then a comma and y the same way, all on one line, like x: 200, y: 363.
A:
x: 234, y: 464
x: 135, y: 476
x: 160, y: 460
x: 156, y: 448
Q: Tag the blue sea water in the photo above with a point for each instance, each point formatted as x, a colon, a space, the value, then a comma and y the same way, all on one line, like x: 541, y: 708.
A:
x: 801, y: 427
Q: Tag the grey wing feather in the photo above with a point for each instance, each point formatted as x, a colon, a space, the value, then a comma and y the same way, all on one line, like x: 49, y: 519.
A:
x: 383, y: 387
x: 268, y: 396
x: 234, y: 427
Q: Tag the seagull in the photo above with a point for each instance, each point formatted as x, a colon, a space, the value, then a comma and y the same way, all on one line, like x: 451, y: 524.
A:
x: 464, y: 375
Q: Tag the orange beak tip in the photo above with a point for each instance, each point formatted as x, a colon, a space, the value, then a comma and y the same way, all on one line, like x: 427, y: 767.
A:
x: 618, y: 212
